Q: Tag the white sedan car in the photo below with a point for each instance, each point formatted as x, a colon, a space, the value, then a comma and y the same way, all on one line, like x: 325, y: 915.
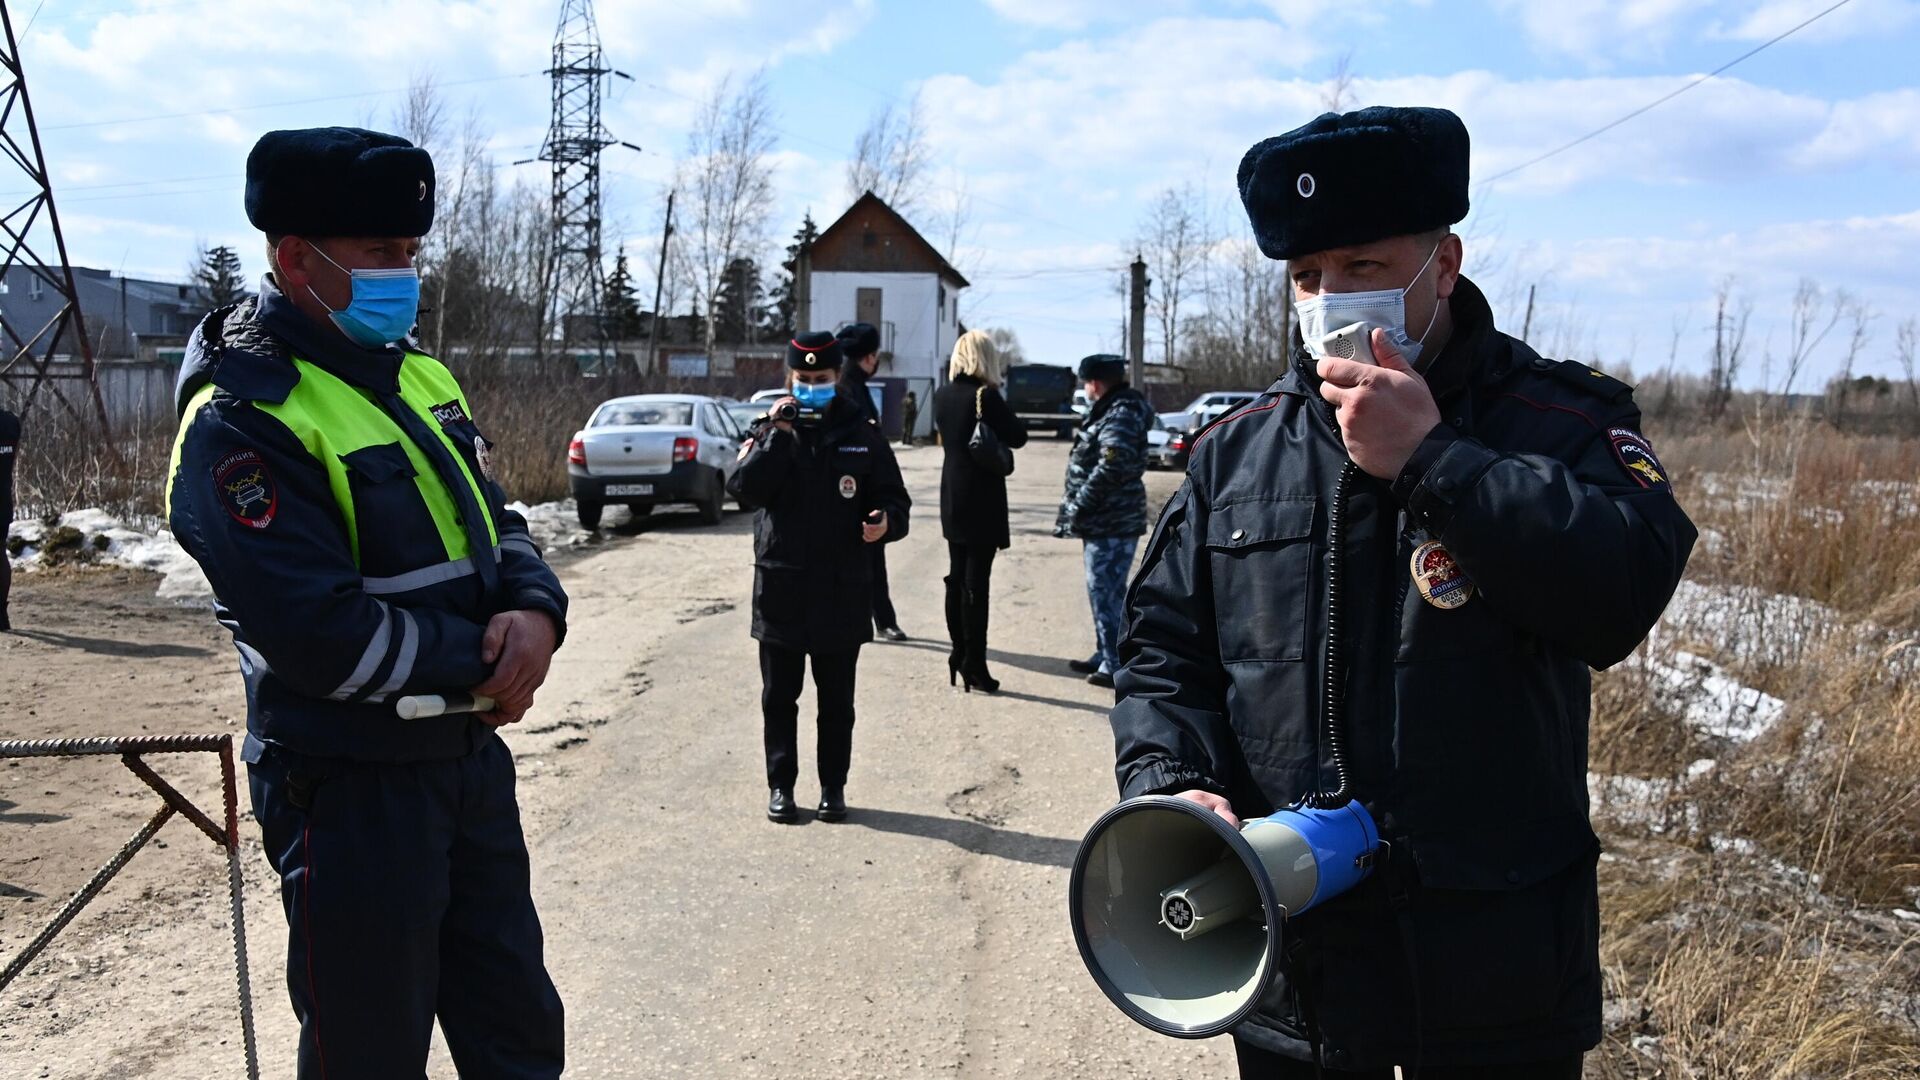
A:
x: 651, y: 449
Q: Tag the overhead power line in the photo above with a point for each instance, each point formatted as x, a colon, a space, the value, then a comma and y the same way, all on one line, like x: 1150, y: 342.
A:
x: 1663, y: 99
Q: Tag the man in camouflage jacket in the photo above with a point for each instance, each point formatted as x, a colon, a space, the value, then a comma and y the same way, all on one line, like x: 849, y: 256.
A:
x: 1105, y: 504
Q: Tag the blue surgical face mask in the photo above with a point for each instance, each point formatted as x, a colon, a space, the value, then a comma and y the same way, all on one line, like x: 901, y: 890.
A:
x: 813, y: 396
x: 385, y: 304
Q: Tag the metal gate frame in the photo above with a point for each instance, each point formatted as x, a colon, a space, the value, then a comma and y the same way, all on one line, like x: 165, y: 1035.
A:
x: 130, y: 751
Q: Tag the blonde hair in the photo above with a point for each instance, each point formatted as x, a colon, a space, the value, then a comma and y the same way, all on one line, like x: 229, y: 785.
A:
x: 975, y: 355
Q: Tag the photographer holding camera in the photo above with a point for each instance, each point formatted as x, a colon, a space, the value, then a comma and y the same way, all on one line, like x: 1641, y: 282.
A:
x: 827, y: 486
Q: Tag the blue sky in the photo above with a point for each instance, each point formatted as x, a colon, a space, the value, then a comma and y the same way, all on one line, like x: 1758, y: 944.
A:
x: 1060, y: 120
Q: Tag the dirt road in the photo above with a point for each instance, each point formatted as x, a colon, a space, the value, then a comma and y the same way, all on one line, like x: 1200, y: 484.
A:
x: 926, y: 936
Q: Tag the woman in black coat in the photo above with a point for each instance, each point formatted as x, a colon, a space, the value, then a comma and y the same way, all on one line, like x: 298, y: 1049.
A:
x: 973, y: 501
x: 828, y: 489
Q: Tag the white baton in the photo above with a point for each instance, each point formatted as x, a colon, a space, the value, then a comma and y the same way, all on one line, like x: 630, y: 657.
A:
x: 422, y: 706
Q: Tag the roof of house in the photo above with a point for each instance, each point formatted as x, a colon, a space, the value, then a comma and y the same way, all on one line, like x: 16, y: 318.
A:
x: 845, y: 244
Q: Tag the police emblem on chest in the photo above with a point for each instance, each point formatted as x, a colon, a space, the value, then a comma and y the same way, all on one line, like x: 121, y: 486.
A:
x: 484, y: 457
x: 246, y: 489
x: 1439, y: 578
x: 849, y: 487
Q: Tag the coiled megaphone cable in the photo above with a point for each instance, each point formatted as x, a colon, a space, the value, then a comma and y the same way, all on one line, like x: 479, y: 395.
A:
x: 1333, y: 689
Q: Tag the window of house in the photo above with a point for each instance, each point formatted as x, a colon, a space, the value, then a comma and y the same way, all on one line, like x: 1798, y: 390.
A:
x: 34, y: 287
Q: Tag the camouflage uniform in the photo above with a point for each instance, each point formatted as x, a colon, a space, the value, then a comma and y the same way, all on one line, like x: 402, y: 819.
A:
x: 1105, y: 505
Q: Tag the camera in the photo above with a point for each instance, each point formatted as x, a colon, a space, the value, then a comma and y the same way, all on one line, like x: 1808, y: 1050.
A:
x: 785, y: 411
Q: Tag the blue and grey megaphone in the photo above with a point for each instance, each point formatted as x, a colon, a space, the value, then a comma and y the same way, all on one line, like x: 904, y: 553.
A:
x: 1179, y: 916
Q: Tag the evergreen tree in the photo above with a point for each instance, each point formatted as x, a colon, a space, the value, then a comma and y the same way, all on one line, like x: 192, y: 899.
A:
x: 740, y: 314
x: 782, y: 309
x: 216, y: 273
x: 622, y: 307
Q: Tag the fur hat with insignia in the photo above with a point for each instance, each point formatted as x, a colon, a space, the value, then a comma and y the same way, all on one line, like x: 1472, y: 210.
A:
x: 815, y: 350
x: 1105, y: 367
x: 859, y: 339
x: 1353, y: 178
x: 339, y: 181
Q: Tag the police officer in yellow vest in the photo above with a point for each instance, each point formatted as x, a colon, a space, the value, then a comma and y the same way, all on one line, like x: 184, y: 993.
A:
x: 331, y: 481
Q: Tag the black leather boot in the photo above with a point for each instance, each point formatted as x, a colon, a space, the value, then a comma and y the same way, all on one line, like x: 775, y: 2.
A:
x: 833, y: 804
x: 780, y: 806
x: 956, y: 628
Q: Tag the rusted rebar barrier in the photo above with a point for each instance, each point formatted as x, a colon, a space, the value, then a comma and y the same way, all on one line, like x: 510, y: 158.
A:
x: 130, y: 751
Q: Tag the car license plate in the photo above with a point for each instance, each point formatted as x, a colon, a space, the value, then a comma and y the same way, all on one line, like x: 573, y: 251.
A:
x: 629, y: 489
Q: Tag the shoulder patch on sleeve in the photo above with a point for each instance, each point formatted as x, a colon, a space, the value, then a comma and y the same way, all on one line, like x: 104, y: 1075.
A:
x: 1636, y: 456
x: 245, y: 487
x: 1585, y: 379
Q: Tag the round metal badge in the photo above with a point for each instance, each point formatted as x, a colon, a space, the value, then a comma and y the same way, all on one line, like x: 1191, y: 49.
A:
x: 1439, y: 578
x: 849, y: 487
x: 485, y: 457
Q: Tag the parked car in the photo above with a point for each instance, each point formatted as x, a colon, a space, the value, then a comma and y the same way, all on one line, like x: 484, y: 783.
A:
x: 771, y: 394
x: 653, y: 449
x: 1179, y: 443
x: 1207, y: 408
x: 1042, y: 396
x: 1158, y: 441
x: 744, y: 413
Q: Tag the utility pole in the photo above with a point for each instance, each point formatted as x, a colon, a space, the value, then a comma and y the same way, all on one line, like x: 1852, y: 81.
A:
x: 1526, y: 328
x: 803, y: 287
x: 576, y: 299
x: 1137, y: 324
x: 659, y: 283
x: 27, y: 353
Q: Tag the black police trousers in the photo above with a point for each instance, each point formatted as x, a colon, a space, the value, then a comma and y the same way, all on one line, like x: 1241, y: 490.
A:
x: 406, y: 891
x: 1258, y: 1064
x: 781, y: 674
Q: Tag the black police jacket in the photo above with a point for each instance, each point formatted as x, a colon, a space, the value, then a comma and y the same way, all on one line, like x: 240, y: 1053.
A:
x: 1466, y: 729
x: 813, y: 574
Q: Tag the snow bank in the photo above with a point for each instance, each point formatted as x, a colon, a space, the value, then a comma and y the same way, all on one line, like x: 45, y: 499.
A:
x: 95, y: 536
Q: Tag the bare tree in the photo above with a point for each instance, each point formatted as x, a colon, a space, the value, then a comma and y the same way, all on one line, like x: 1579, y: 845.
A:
x: 1174, y: 240
x: 1813, y: 317
x: 1337, y: 92
x: 1731, y: 314
x: 728, y: 186
x: 1906, y: 349
x: 1859, y: 317
x: 1245, y: 335
x: 890, y: 157
x: 1007, y: 344
x: 421, y: 117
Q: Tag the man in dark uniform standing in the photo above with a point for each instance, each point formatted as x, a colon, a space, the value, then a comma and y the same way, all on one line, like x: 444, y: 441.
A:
x: 9, y: 453
x: 332, y: 482
x: 1105, y: 502
x: 860, y: 345
x: 1433, y: 547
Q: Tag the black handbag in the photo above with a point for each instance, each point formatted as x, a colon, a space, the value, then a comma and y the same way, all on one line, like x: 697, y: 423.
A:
x: 985, y: 446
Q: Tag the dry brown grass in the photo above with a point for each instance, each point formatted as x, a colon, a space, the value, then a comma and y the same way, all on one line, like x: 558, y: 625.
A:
x: 1748, y: 930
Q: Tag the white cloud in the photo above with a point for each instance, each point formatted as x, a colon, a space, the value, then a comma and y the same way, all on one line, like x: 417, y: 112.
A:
x: 1596, y: 30
x: 1771, y: 18
x: 1075, y: 14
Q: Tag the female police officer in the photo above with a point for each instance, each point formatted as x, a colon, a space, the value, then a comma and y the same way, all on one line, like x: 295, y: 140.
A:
x: 827, y: 485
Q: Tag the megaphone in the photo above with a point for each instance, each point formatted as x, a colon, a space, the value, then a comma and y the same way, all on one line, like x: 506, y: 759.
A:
x: 1179, y: 916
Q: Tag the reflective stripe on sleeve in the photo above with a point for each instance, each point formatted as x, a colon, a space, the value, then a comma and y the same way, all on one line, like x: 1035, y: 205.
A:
x: 403, y: 664
x: 376, y: 651
x: 423, y: 577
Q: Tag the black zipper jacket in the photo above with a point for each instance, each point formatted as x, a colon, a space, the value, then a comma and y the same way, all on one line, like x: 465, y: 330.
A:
x: 1466, y: 729
x: 813, y: 574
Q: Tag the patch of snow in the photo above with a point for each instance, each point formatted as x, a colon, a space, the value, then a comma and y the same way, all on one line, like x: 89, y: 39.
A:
x: 116, y: 542
x: 1713, y: 702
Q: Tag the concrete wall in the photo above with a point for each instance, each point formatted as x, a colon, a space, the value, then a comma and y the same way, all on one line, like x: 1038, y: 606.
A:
x: 919, y: 311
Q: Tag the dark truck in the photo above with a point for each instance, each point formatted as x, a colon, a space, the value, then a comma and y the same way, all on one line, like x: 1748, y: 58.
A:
x: 1041, y: 396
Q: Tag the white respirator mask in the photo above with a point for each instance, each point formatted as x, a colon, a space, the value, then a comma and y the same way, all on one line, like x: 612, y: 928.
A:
x: 1384, y: 308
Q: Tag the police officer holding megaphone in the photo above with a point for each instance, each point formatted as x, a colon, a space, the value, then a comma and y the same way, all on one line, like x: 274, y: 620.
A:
x: 1352, y: 706
x: 827, y: 486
